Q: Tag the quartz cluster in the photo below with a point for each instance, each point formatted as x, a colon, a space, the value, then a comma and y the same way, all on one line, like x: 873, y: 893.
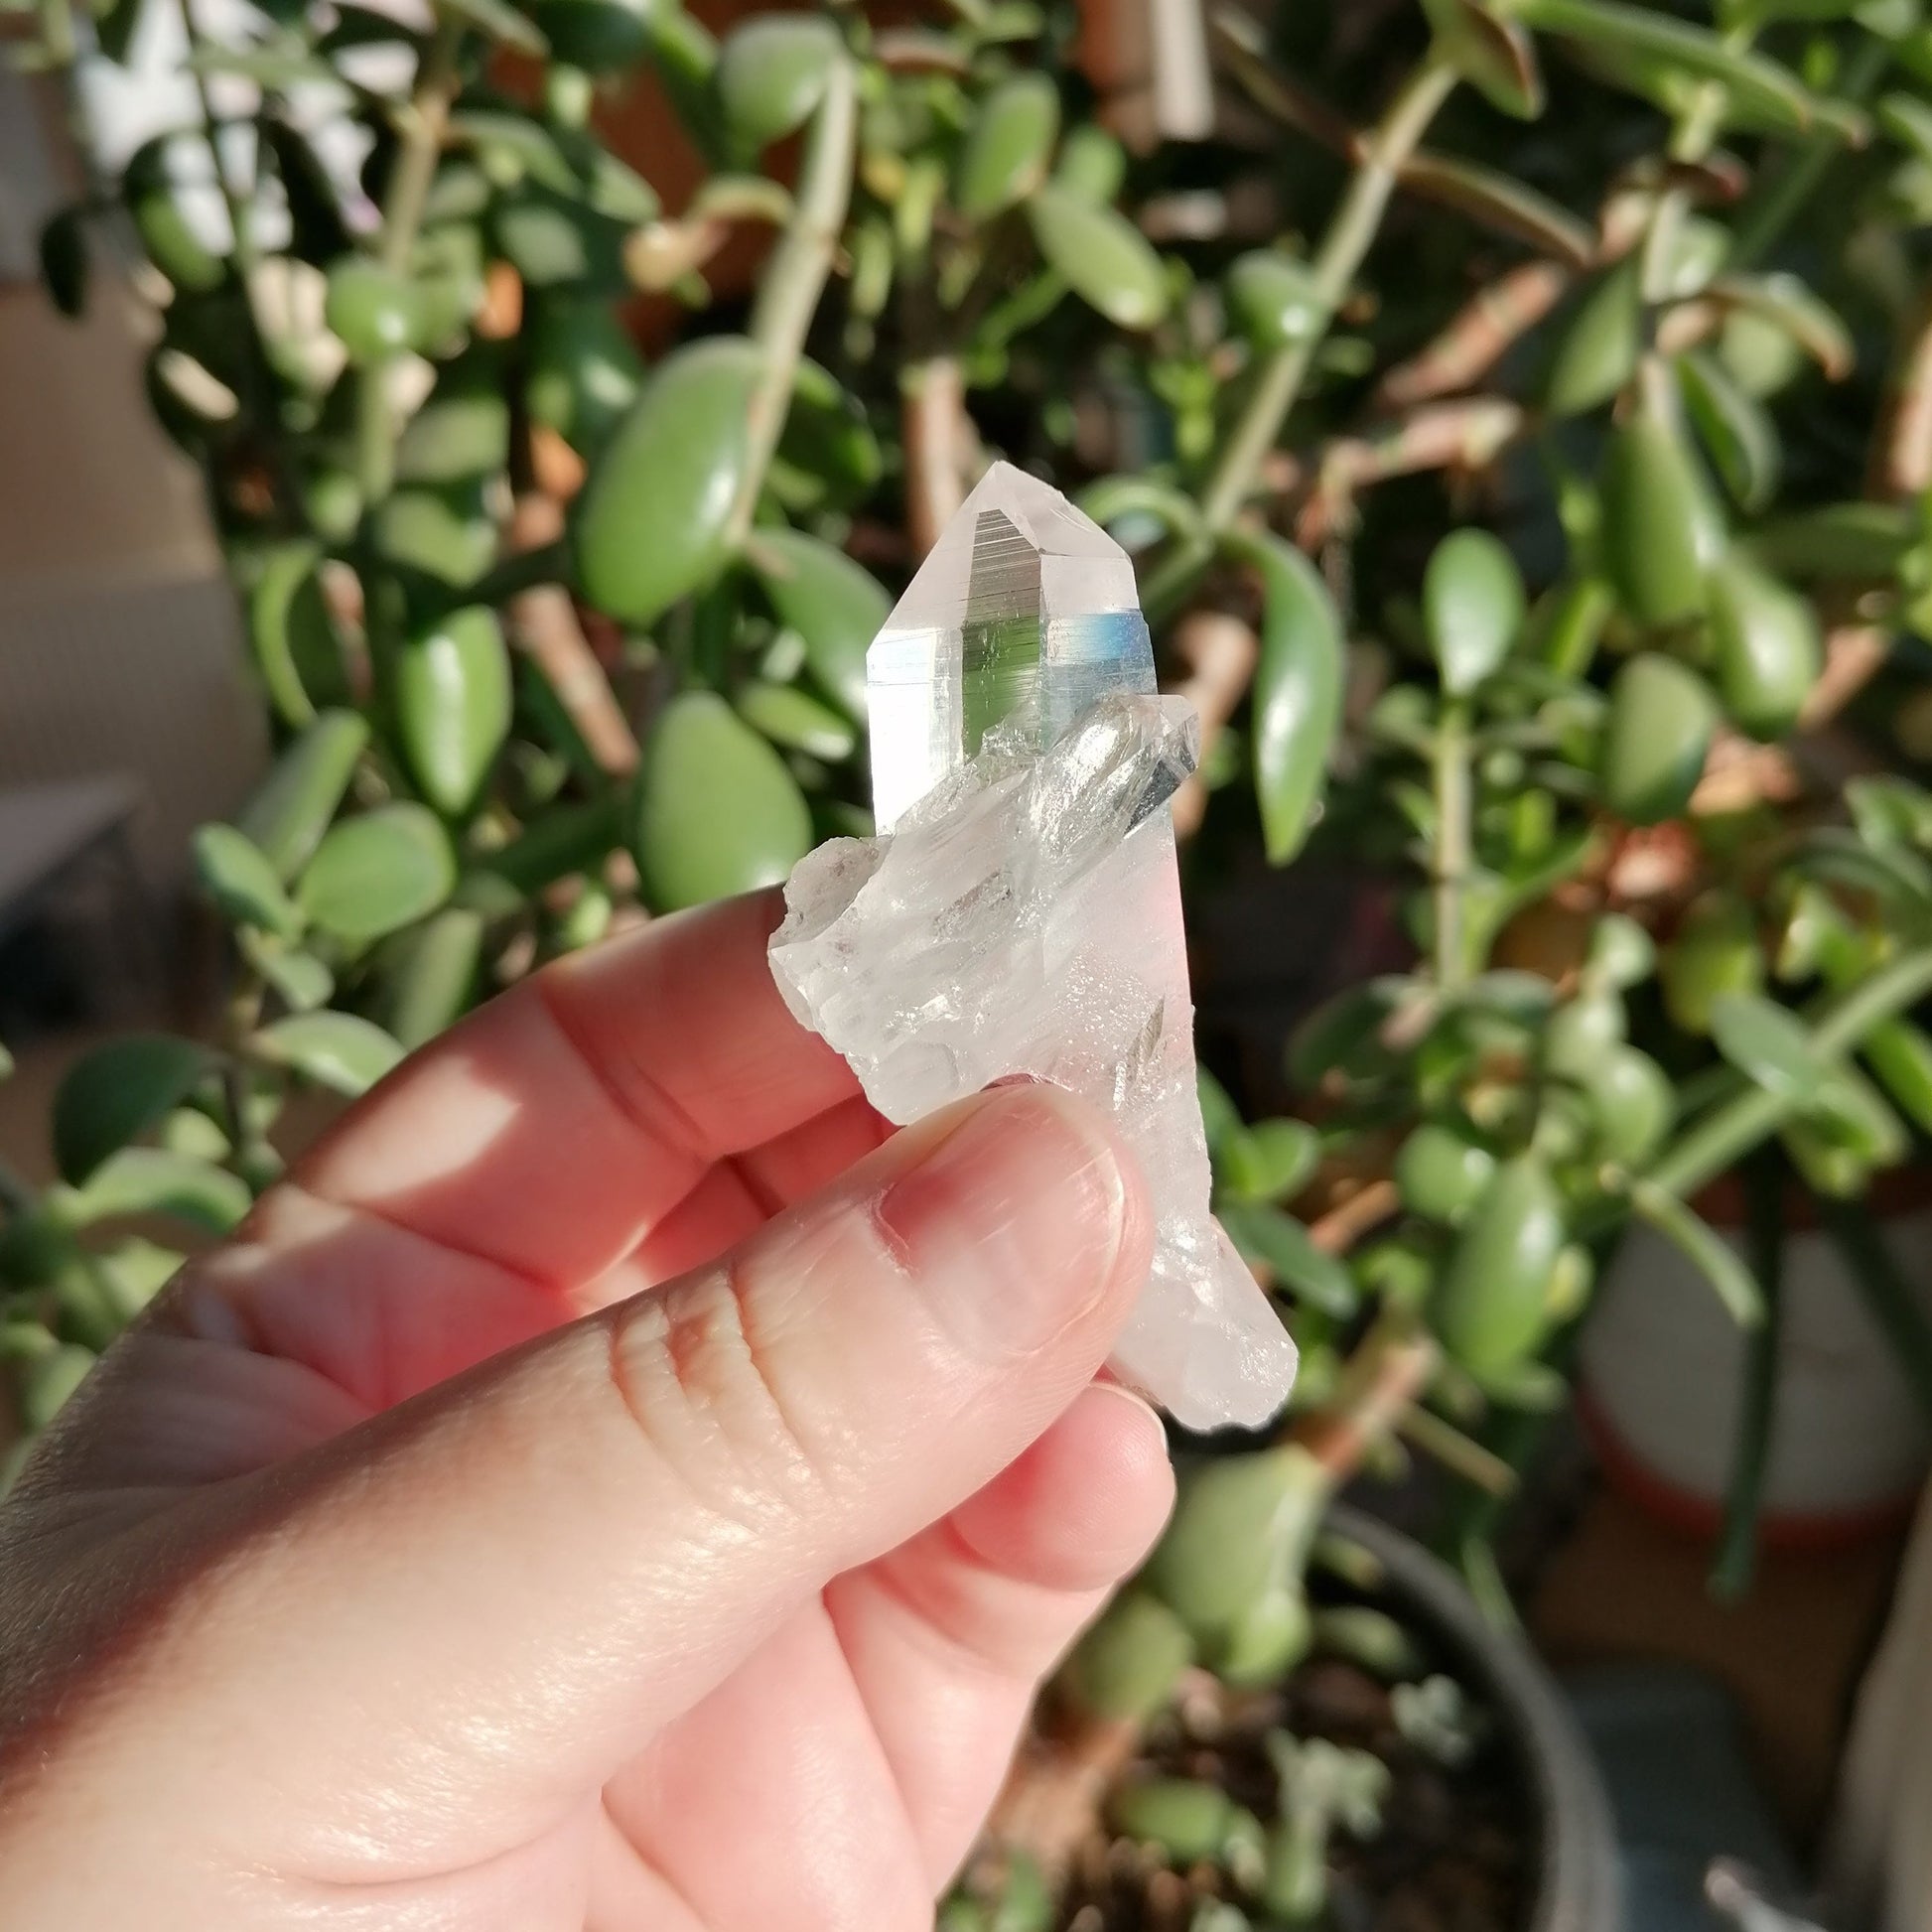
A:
x: 1020, y: 910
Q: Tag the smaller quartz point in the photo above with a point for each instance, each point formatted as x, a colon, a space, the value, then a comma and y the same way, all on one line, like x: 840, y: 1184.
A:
x: 1020, y: 910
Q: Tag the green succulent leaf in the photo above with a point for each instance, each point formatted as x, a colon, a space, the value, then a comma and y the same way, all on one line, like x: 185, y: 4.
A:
x: 1757, y: 83
x: 375, y: 309
x: 1632, y: 1103
x: 1472, y: 606
x: 1103, y: 258
x: 1344, y: 1033
x: 430, y: 977
x: 1501, y: 201
x: 1184, y: 1819
x: 770, y: 74
x: 377, y: 871
x: 1713, y: 1256
x: 1442, y: 1172
x: 1220, y: 1118
x: 1271, y: 1161
x: 289, y: 814
x: 599, y: 36
x: 1768, y: 1043
x: 462, y: 431
x: 292, y: 637
x: 1491, y: 52
x: 1597, y: 349
x: 1491, y: 1306
x: 1908, y: 120
x: 1274, y: 300
x: 1714, y: 952
x: 116, y: 1092
x: 438, y: 535
x: 1660, y: 531
x: 1297, y: 693
x: 798, y: 721
x: 672, y: 469
x: 141, y: 1180
x: 1279, y: 1244
x: 1091, y: 163
x: 49, y: 1379
x: 302, y: 980
x: 453, y: 706
x: 1127, y: 1666
x: 584, y: 373
x: 338, y: 1050
x: 135, y: 1270
x: 1009, y: 146
x: 1735, y: 427
x: 1661, y: 719
x: 1238, y: 1528
x: 834, y: 604
x: 154, y: 186
x: 716, y: 812
x: 1769, y: 649
x: 1789, y: 303
x: 1839, y: 541
x: 237, y: 875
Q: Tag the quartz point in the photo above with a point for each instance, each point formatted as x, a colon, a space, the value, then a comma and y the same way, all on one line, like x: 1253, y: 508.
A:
x: 1019, y: 911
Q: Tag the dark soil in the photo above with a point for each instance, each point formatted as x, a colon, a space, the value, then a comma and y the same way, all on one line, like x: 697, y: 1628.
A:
x: 1451, y: 1854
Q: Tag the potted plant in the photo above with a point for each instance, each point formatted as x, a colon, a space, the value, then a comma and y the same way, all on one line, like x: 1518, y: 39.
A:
x: 554, y: 641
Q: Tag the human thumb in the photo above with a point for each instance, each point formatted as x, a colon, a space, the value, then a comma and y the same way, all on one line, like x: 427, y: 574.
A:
x: 496, y: 1591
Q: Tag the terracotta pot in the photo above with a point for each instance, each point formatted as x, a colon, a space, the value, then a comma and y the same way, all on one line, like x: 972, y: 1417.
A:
x: 1662, y: 1368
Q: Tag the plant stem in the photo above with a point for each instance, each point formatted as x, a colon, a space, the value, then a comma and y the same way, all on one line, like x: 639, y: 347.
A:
x: 1425, y: 1430
x: 1736, y: 1558
x: 1380, y: 1383
x: 240, y: 229
x: 1394, y: 138
x: 1716, y: 1142
x: 787, y: 297
x: 1765, y: 221
x: 1903, y: 443
x: 1890, y: 1295
x: 1450, y: 871
x: 402, y: 220
x: 421, y: 146
x: 1695, y: 128
x: 1337, y: 264
x: 933, y: 415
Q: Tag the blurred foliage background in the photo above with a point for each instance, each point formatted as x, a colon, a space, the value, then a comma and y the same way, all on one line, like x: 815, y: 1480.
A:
x: 1520, y: 411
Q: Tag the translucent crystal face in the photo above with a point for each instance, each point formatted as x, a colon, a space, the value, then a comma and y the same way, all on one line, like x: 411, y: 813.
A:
x: 1020, y: 910
x: 1024, y: 614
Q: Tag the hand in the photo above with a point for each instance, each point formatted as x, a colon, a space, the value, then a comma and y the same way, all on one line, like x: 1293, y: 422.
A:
x: 614, y: 1481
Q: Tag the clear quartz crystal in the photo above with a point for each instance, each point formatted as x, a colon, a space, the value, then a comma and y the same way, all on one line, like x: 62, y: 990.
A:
x: 1020, y: 911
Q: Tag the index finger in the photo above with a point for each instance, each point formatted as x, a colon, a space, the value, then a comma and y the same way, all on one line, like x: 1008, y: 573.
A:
x: 555, y: 1128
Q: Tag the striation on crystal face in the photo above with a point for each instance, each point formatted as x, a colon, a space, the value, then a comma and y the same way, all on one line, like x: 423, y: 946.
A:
x: 1020, y: 911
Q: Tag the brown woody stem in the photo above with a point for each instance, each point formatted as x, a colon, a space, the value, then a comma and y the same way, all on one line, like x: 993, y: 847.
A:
x: 542, y: 623
x: 1904, y: 443
x: 938, y: 447
x: 1477, y: 338
x: 1220, y: 653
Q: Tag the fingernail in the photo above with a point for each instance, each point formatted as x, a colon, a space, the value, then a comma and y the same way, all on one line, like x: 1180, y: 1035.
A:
x: 1011, y: 1223
x: 1132, y: 1399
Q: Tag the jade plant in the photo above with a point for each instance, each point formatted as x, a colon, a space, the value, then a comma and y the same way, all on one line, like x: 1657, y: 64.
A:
x: 1520, y: 417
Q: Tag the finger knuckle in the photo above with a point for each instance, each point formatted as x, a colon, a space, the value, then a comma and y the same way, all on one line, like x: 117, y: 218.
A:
x: 705, y: 1383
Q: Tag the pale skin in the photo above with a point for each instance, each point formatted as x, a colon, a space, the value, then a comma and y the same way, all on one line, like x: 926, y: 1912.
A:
x: 615, y: 1481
